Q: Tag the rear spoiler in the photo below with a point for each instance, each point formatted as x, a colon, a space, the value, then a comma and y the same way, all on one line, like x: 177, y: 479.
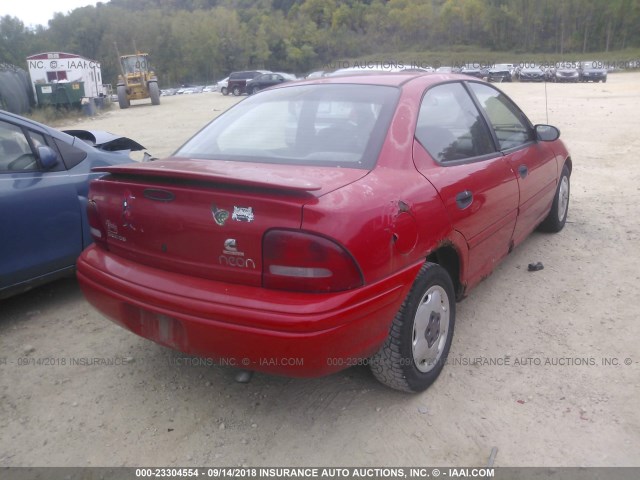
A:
x: 186, y: 170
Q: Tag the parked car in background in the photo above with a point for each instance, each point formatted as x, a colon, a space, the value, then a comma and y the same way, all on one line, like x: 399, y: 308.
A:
x: 365, y: 69
x: 237, y: 82
x: 316, y: 74
x: 531, y: 73
x: 44, y: 181
x: 210, y: 88
x: 593, y: 71
x: 500, y: 72
x: 268, y: 80
x: 417, y: 69
x: 223, y: 86
x: 340, y: 231
x: 566, y: 73
x: 475, y: 71
x: 444, y: 69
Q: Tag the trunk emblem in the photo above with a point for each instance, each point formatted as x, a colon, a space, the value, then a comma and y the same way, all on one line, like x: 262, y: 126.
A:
x: 230, y: 245
x: 231, y: 257
x: 220, y: 216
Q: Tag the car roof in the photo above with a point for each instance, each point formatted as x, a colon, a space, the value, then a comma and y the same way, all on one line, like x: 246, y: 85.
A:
x: 394, y: 79
x: 244, y: 72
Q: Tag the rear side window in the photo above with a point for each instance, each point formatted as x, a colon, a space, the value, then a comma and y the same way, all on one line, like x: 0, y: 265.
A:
x: 71, y: 156
x: 508, y: 121
x: 450, y: 126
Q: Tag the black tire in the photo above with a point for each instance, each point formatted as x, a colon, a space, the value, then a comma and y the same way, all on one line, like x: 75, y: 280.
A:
x: 123, y: 100
x: 13, y: 98
x: 397, y: 364
x: 9, y: 96
x: 604, y: 80
x: 236, y: 91
x: 254, y: 90
x: 154, y: 93
x: 557, y: 216
x: 224, y: 91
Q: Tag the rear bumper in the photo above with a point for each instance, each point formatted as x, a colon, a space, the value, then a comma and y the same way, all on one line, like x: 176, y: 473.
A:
x: 293, y: 334
x: 593, y: 78
x: 524, y: 78
x: 573, y: 79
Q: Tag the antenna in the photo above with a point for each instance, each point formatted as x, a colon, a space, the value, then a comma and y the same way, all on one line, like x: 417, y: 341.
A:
x: 546, y: 104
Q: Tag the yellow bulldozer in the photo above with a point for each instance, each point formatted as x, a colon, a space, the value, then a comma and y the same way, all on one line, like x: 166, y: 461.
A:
x: 137, y: 80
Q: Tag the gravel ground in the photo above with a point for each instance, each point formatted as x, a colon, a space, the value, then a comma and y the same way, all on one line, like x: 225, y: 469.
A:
x: 544, y: 366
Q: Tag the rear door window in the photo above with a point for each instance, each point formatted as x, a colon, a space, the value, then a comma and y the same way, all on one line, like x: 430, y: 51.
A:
x: 450, y: 127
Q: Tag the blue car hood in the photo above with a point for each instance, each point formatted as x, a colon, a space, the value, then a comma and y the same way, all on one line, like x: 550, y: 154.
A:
x: 105, y: 140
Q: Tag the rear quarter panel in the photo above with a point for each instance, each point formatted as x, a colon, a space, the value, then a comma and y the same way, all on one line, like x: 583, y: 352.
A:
x: 393, y: 217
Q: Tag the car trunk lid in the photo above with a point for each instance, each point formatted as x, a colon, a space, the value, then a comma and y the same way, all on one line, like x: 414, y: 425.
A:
x: 206, y: 218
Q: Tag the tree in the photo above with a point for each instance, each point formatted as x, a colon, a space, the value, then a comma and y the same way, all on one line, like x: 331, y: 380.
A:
x: 14, y: 40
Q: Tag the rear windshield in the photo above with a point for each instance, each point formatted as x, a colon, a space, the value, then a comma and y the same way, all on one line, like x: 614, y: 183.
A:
x: 326, y: 125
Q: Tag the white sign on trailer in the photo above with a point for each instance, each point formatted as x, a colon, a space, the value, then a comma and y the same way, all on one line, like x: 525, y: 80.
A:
x: 60, y: 67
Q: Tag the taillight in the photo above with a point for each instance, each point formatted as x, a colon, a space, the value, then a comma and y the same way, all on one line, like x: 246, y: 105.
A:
x: 95, y: 227
x: 305, y: 262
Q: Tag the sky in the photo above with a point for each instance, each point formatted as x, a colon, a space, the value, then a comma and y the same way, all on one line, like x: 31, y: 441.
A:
x: 39, y: 12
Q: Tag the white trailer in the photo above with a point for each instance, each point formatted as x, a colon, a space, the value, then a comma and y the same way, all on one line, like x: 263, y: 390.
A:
x: 59, y: 68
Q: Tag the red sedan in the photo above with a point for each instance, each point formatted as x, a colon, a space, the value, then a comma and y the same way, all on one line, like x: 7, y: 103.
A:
x: 325, y: 224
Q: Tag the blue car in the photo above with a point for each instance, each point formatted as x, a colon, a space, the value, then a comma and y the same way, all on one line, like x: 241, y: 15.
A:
x: 44, y: 179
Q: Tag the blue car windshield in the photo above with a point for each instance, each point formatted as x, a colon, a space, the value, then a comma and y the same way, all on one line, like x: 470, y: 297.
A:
x: 326, y: 125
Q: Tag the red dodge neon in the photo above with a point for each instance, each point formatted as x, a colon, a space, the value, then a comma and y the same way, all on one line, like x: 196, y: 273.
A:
x: 325, y: 223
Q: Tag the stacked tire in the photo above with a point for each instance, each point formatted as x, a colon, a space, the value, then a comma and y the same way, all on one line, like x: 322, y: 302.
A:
x: 16, y: 94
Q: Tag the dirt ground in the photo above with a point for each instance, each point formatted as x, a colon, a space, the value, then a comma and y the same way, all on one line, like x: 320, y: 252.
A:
x: 544, y: 366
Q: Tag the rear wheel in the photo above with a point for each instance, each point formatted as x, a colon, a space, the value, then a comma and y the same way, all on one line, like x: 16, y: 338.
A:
x: 123, y: 100
x: 254, y: 90
x: 416, y: 349
x: 154, y: 93
x: 236, y: 91
x: 224, y: 91
x: 558, y: 215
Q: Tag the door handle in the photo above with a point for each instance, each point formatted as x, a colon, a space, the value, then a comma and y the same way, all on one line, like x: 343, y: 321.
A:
x: 464, y: 199
x: 523, y: 171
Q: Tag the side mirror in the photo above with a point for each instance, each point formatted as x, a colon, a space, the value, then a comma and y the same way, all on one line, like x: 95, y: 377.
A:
x: 547, y: 133
x: 48, y: 157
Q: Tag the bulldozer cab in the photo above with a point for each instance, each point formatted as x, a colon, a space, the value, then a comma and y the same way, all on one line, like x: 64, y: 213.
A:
x: 133, y: 64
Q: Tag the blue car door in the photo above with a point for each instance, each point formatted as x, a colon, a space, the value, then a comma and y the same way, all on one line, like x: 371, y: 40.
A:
x: 40, y: 217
